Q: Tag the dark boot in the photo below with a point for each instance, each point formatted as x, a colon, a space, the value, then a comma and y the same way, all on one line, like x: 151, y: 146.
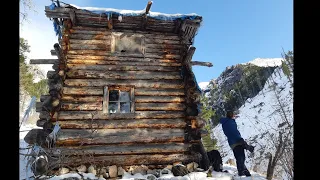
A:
x: 244, y: 173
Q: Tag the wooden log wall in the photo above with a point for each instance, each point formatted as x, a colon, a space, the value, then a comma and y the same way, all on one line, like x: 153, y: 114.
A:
x: 163, y: 127
x: 159, y: 120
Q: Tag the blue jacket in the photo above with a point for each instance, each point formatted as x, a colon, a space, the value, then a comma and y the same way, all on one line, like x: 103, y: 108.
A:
x: 229, y: 127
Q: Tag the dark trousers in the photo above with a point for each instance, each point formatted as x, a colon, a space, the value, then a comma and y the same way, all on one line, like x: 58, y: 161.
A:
x: 238, y: 152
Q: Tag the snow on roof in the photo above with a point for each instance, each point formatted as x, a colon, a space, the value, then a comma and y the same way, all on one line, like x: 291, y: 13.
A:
x: 156, y: 15
x: 266, y: 62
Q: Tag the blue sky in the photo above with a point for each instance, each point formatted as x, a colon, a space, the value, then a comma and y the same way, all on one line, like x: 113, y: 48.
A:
x: 233, y: 31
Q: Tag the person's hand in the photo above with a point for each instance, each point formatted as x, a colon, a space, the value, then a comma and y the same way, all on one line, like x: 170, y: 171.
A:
x: 250, y: 148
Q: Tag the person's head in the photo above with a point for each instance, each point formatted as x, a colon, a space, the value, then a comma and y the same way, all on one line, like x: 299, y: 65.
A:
x: 230, y: 114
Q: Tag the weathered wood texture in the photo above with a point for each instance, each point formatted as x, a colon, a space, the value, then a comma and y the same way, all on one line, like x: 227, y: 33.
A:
x: 92, y: 106
x: 71, y: 115
x: 116, y: 136
x: 141, y: 75
x: 138, y: 92
x: 155, y: 130
x: 129, y: 160
x: 123, y: 124
x: 155, y: 148
x: 160, y: 84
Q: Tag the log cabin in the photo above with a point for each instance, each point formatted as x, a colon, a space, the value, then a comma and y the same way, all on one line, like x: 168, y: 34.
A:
x: 122, y: 91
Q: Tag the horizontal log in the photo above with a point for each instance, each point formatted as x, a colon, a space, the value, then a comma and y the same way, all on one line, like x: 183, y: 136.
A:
x: 138, y: 99
x: 130, y: 160
x: 123, y: 124
x: 161, y: 41
x: 147, y: 75
x: 97, y: 47
x: 159, y: 99
x: 164, y: 46
x: 199, y: 63
x: 123, y: 149
x: 88, y: 106
x: 122, y: 68
x: 77, y: 98
x: 138, y: 92
x: 92, y: 106
x: 120, y: 63
x: 115, y: 136
x: 106, y: 53
x: 163, y: 51
x: 92, y: 34
x: 91, y: 42
x: 44, y: 61
x: 44, y: 97
x: 69, y: 115
x: 100, y: 36
x: 120, y: 58
x: 159, y: 107
x: 160, y: 84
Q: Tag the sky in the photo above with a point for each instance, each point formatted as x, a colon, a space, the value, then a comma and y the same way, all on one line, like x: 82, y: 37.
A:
x: 232, y: 31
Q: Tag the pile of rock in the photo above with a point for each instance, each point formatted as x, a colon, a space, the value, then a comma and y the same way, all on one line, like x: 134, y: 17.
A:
x: 116, y: 172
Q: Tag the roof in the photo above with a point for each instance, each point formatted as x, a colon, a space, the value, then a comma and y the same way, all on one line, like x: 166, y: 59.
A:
x: 122, y: 12
x: 185, y: 25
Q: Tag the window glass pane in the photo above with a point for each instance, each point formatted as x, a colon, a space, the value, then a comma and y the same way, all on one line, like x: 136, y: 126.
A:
x: 114, y: 95
x: 113, y: 107
x: 125, y: 107
x: 124, y: 96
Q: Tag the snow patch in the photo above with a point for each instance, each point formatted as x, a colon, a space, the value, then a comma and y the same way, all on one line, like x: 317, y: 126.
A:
x: 203, y: 85
x: 265, y: 62
x: 137, y: 13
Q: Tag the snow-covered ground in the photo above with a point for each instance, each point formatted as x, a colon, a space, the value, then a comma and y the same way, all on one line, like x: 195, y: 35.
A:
x: 259, y: 118
x: 24, y: 129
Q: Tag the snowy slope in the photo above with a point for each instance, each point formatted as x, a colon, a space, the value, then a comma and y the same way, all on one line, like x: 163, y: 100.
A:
x: 258, y: 120
x: 203, y: 85
x: 264, y: 62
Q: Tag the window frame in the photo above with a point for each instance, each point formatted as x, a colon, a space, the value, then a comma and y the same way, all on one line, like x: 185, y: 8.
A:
x: 106, y: 101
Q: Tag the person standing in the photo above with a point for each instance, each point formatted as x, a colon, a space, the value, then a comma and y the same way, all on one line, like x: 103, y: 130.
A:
x: 236, y: 142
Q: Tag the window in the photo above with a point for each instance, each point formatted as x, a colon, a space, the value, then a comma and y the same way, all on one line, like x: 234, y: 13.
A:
x: 118, y: 99
x: 127, y: 43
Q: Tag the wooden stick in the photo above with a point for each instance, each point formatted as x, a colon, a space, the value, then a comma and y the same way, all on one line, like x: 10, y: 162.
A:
x: 199, y: 63
x: 43, y: 61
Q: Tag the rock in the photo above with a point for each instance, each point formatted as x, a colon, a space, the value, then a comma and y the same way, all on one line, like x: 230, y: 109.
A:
x: 103, y: 171
x: 169, y: 167
x: 82, y: 168
x: 164, y: 171
x: 73, y: 172
x: 113, y: 171
x: 179, y: 170
x: 231, y: 162
x: 190, y: 167
x: 199, y: 170
x: 153, y: 171
x: 195, y: 165
x: 139, y: 169
x: 92, y: 170
x: 120, y: 171
x: 151, y: 177
x: 106, y: 175
x: 71, y: 178
x: 63, y: 171
x: 177, y: 163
